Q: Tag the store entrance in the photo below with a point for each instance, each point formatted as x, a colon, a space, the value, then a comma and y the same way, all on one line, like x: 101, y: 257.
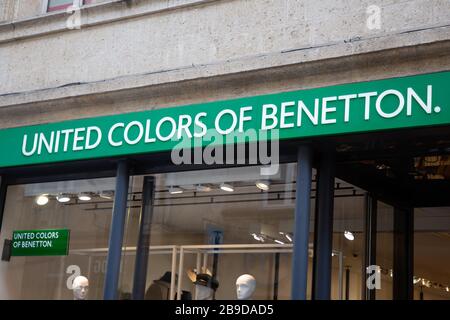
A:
x: 391, y: 211
x: 406, y: 224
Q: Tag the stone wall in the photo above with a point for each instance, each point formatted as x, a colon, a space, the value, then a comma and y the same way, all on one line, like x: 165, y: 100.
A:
x: 212, y: 33
x: 133, y: 55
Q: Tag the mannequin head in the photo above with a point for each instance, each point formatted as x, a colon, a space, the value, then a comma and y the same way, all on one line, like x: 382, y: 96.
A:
x: 245, y: 286
x: 205, y: 284
x: 80, y: 288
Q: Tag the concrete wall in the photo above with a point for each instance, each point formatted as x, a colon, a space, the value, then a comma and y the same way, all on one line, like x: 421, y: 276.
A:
x: 227, y: 36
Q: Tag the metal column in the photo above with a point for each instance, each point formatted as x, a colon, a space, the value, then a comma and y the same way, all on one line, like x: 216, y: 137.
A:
x: 370, y: 252
x: 347, y: 283
x: 143, y: 245
x: 276, y: 278
x: 403, y: 254
x: 323, y: 229
x: 301, y: 224
x: 116, y: 232
x: 3, y: 189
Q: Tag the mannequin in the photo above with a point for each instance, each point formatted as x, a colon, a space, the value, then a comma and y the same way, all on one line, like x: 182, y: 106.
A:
x: 159, y: 289
x: 245, y: 287
x: 205, y: 284
x: 204, y: 293
x: 80, y: 288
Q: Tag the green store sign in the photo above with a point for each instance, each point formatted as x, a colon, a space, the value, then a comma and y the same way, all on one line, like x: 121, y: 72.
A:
x: 51, y: 242
x: 406, y: 102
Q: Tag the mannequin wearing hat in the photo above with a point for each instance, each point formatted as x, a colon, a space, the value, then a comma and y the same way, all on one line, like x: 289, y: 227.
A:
x: 159, y: 289
x: 205, y: 284
x: 245, y: 287
x: 204, y: 292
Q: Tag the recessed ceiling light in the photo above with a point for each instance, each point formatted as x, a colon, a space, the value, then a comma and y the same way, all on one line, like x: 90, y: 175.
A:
x: 42, y: 200
x: 84, y: 197
x: 349, y: 235
x: 288, y: 237
x: 109, y: 194
x: 258, y: 237
x: 255, y: 236
x: 175, y: 190
x: 226, y: 187
x: 263, y: 185
x: 202, y: 188
x: 63, y: 198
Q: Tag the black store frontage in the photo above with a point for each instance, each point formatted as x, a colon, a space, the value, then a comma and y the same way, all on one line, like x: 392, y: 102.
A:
x: 357, y: 186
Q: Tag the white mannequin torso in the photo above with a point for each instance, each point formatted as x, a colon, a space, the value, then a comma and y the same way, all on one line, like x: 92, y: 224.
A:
x: 203, y: 293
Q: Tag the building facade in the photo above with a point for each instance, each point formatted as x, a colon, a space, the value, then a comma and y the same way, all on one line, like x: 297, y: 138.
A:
x: 378, y: 188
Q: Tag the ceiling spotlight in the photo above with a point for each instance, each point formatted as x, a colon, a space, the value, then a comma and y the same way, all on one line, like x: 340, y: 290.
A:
x: 42, y: 200
x: 175, y: 190
x: 382, y: 166
x: 256, y: 237
x: 288, y: 237
x: 106, y: 194
x: 279, y: 242
x: 63, y: 198
x: 263, y: 185
x: 84, y: 197
x: 202, y: 188
x: 226, y: 187
x: 349, y: 235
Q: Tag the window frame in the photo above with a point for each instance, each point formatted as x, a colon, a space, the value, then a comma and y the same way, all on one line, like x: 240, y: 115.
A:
x: 45, y: 4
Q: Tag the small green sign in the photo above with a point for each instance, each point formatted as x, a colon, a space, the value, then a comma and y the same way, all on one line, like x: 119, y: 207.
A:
x: 49, y: 242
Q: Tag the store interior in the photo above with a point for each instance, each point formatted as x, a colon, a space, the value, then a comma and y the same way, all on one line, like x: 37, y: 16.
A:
x: 223, y: 207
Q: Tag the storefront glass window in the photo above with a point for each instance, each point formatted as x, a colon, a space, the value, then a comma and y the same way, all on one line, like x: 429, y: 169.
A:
x: 348, y: 241
x: 385, y: 250
x: 245, y: 218
x: 431, y: 253
x: 78, y: 206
